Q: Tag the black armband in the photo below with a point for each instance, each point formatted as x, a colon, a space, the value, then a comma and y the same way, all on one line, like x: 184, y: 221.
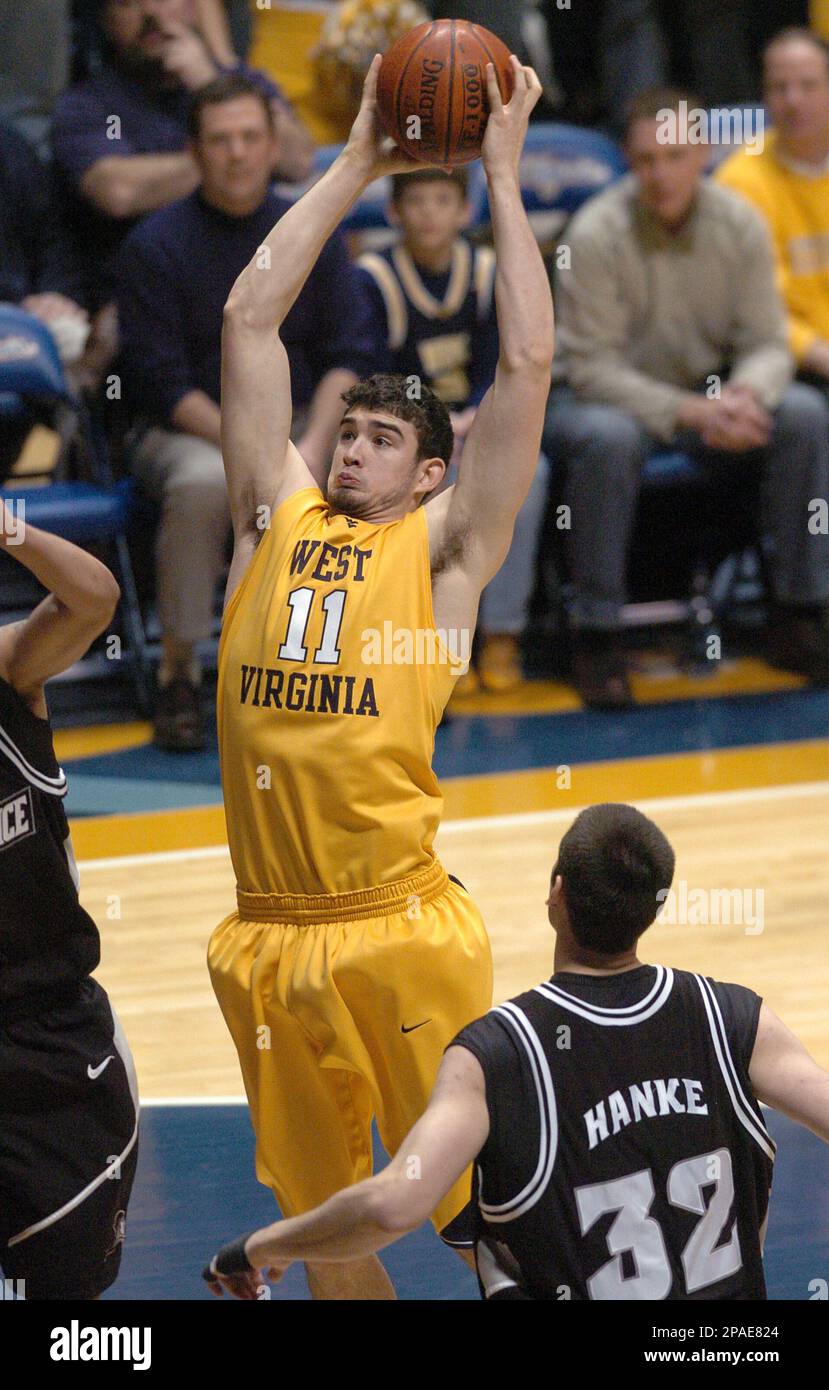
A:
x: 230, y: 1260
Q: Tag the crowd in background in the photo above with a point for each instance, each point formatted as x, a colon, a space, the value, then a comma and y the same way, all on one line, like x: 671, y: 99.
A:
x: 140, y: 142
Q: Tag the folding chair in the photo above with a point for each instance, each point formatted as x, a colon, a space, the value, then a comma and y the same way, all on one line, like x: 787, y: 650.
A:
x: 90, y: 512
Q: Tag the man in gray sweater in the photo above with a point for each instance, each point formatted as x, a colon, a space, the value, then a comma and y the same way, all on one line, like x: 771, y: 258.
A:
x: 671, y: 333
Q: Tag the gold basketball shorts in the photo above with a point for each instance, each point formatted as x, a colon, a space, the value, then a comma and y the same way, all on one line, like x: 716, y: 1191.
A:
x: 341, y: 1008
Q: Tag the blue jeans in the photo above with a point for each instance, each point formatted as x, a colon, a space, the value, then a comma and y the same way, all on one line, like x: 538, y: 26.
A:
x: 506, y: 599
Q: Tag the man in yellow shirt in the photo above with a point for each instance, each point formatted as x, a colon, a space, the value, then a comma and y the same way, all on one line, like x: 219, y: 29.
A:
x: 352, y: 960
x: 789, y: 183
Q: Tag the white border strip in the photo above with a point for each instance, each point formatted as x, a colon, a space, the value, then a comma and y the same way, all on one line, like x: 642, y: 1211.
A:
x: 658, y: 803
x: 160, y: 1102
x: 165, y: 1102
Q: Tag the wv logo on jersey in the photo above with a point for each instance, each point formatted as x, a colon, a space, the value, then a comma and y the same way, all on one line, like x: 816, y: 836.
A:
x: 17, y: 818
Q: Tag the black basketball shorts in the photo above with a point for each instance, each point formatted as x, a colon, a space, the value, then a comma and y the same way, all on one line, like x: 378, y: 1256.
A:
x: 68, y: 1147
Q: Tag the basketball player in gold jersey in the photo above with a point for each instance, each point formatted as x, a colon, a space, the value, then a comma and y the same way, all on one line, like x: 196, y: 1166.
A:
x: 353, y: 960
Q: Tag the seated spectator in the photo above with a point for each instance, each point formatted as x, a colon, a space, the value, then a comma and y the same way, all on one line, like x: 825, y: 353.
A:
x: 433, y: 312
x: 174, y: 274
x: 672, y: 285
x: 120, y: 136
x: 38, y: 271
x: 788, y: 181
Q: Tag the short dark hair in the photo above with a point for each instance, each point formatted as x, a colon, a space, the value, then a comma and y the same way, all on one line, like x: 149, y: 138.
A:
x: 423, y: 409
x: 225, y: 88
x: 649, y: 105
x: 792, y: 34
x: 616, y: 867
x: 400, y: 182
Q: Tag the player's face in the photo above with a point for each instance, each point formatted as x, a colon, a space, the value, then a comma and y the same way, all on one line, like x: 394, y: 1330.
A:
x: 797, y: 90
x: 374, y: 465
x: 235, y: 152
x: 138, y: 26
x: 431, y: 216
x: 668, y: 174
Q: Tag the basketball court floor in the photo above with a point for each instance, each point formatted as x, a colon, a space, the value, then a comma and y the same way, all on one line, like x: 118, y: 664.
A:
x: 734, y: 767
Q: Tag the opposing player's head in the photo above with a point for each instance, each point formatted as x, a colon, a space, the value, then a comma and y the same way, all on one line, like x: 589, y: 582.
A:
x: 613, y: 871
x: 431, y: 208
x: 394, y: 446
x: 664, y: 155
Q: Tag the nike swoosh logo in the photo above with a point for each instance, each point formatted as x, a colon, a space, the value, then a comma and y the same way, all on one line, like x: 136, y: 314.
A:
x: 94, y: 1072
x: 404, y: 1029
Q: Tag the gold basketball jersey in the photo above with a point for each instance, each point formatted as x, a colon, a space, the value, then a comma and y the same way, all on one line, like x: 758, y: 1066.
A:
x: 332, y: 681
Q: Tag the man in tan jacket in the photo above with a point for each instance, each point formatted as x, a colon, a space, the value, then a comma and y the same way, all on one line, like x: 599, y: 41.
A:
x: 672, y: 334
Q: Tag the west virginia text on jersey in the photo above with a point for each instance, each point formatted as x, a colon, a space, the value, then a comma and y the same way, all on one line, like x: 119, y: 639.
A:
x: 326, y: 752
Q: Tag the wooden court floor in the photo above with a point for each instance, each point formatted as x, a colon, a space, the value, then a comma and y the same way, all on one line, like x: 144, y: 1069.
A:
x: 753, y: 909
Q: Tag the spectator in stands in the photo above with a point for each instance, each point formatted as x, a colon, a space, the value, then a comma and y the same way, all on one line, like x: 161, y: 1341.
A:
x: 672, y: 285
x: 788, y: 181
x: 34, y: 42
x: 174, y: 273
x: 120, y: 136
x: 433, y: 319
x: 38, y: 271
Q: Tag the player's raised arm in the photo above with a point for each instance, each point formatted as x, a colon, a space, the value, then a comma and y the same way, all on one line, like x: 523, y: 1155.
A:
x: 373, y: 1214
x: 82, y: 598
x: 262, y: 466
x: 501, y: 451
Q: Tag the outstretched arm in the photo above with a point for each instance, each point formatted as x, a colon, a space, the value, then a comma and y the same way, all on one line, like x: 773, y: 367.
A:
x: 501, y: 450
x: 784, y: 1076
x: 261, y: 464
x: 82, y: 599
x: 372, y: 1214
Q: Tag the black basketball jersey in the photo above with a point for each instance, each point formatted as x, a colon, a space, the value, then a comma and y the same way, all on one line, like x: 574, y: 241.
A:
x: 627, y: 1156
x: 48, y: 943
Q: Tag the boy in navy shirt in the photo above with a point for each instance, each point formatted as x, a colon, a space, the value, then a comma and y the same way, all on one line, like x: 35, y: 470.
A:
x: 433, y: 317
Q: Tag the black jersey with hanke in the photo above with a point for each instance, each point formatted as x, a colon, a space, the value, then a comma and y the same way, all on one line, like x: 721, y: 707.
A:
x: 48, y: 942
x: 627, y: 1156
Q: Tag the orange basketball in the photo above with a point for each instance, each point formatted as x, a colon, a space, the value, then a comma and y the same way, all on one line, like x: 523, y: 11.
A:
x: 431, y: 90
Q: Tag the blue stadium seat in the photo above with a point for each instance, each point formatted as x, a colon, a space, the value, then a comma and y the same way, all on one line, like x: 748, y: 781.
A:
x: 78, y: 512
x: 92, y: 512
x: 368, y: 212
x: 561, y: 167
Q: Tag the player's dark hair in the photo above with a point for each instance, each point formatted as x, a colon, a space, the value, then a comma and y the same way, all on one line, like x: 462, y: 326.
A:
x: 793, y: 33
x: 649, y: 105
x: 400, y: 182
x: 423, y: 409
x: 616, y: 867
x: 228, y: 87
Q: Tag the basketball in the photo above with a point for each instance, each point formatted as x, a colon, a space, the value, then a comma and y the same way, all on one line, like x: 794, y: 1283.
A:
x: 431, y: 89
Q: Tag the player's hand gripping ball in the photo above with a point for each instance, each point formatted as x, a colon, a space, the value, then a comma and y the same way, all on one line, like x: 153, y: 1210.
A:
x: 431, y: 91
